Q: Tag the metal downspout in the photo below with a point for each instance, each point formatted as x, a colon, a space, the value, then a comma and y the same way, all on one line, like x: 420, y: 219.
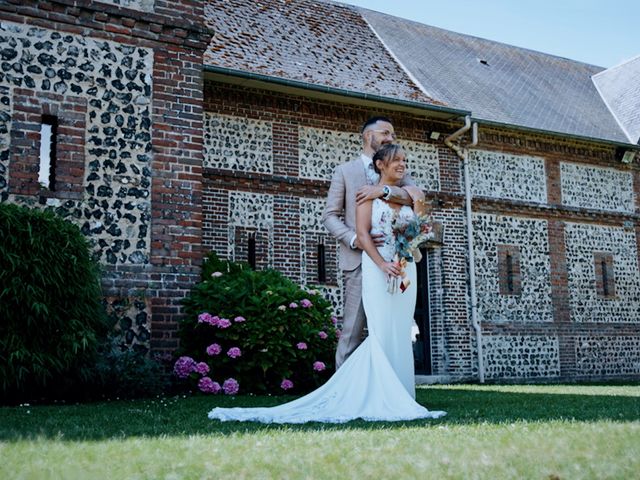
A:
x: 462, y: 153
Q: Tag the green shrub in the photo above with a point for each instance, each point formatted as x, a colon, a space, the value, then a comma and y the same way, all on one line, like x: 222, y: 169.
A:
x: 51, y: 313
x: 256, y: 328
x: 123, y: 373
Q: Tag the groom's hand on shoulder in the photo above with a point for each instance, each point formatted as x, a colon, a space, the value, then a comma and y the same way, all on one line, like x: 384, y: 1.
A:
x: 368, y: 192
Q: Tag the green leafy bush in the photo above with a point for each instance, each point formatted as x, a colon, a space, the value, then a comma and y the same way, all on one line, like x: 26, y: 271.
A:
x: 123, y: 373
x: 51, y: 313
x: 254, y: 331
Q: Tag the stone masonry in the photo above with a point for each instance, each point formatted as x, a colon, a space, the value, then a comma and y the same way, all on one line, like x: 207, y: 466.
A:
x: 159, y: 163
x: 124, y: 81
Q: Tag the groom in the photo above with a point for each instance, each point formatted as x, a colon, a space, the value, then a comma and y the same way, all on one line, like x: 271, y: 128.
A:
x: 353, y: 183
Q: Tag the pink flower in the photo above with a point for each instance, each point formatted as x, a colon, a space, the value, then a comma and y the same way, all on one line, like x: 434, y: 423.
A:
x: 338, y: 333
x: 231, y: 386
x: 207, y: 385
x: 301, y: 346
x: 319, y: 366
x: 207, y: 318
x: 334, y: 320
x: 306, y: 303
x: 184, y: 366
x: 286, y: 384
x: 201, y: 368
x: 239, y: 319
x: 214, y: 349
x: 323, y: 335
x: 234, y: 352
x: 224, y: 323
x: 293, y: 305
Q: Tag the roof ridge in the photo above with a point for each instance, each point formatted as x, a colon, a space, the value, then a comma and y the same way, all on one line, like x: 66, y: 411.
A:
x: 411, y: 76
x: 618, y: 65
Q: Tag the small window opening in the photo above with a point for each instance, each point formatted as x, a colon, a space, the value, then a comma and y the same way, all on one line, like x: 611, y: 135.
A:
x: 509, y: 262
x: 509, y: 273
x: 251, y: 251
x: 322, y: 269
x: 48, y: 137
x: 605, y: 280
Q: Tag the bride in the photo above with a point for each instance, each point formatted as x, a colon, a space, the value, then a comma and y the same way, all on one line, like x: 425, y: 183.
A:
x: 376, y: 382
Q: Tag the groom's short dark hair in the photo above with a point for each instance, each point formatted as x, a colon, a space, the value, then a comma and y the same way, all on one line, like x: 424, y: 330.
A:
x: 373, y: 121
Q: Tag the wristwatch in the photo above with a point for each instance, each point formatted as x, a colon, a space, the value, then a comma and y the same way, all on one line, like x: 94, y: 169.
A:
x: 386, y: 192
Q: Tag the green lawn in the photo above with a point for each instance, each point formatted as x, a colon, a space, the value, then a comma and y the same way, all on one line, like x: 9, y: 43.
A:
x: 540, y: 431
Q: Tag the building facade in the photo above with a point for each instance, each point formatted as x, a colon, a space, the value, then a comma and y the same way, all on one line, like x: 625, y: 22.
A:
x: 185, y: 127
x: 121, y: 81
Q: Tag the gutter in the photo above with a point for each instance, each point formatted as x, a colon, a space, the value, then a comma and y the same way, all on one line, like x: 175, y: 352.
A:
x: 567, y: 136
x: 452, y: 113
x: 463, y: 153
x: 446, y: 111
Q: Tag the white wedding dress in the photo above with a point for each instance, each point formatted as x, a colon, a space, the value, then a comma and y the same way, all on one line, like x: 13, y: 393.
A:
x: 376, y: 382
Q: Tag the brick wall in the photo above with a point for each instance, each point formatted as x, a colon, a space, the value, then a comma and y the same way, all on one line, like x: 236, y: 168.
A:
x: 130, y: 170
x: 297, y: 143
x: 525, y: 185
x: 589, y: 210
x: 171, y: 168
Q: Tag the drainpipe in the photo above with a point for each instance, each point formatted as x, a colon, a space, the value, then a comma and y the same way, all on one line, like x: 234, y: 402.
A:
x: 463, y: 155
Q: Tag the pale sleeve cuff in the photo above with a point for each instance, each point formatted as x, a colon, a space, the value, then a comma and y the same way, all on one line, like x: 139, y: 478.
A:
x: 352, y: 243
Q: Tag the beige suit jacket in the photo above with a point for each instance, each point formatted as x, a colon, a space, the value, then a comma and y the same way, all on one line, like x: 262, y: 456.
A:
x: 341, y: 200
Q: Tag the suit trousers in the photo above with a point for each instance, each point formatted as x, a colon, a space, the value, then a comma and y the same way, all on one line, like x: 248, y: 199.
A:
x: 353, y: 318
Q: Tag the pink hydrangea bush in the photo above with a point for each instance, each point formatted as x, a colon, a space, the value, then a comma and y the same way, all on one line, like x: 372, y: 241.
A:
x: 253, y: 330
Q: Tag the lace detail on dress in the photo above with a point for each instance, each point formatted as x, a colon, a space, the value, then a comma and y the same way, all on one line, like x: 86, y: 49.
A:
x: 382, y: 217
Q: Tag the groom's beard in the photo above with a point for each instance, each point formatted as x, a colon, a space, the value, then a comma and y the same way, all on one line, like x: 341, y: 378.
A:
x: 375, y: 145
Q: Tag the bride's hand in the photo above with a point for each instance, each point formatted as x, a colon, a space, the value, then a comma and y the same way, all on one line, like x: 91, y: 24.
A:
x: 391, y: 269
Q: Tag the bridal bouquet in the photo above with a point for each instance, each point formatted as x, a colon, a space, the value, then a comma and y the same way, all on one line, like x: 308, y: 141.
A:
x: 410, y: 235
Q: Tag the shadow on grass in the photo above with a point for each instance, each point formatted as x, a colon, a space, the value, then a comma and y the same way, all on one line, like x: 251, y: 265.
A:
x: 180, y: 416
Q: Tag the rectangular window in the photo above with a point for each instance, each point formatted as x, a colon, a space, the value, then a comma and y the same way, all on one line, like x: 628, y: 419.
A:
x: 47, y: 169
x: 322, y: 268
x: 509, y: 276
x: 251, y: 250
x: 605, y: 279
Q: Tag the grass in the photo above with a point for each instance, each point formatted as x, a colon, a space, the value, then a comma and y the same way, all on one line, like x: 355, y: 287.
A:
x: 531, y: 431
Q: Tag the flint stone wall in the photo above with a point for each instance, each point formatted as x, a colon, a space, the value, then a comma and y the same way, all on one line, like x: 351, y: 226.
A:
x: 521, y: 356
x: 507, y: 176
x: 586, y: 186
x: 321, y: 151
x: 239, y: 144
x: 116, y: 80
x: 582, y: 240
x: 603, y: 355
x: 531, y: 236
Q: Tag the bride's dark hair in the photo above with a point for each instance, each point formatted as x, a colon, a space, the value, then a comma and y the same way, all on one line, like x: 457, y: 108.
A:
x: 385, y: 153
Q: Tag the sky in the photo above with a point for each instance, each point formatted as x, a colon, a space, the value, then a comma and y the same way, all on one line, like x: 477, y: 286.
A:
x: 598, y: 32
